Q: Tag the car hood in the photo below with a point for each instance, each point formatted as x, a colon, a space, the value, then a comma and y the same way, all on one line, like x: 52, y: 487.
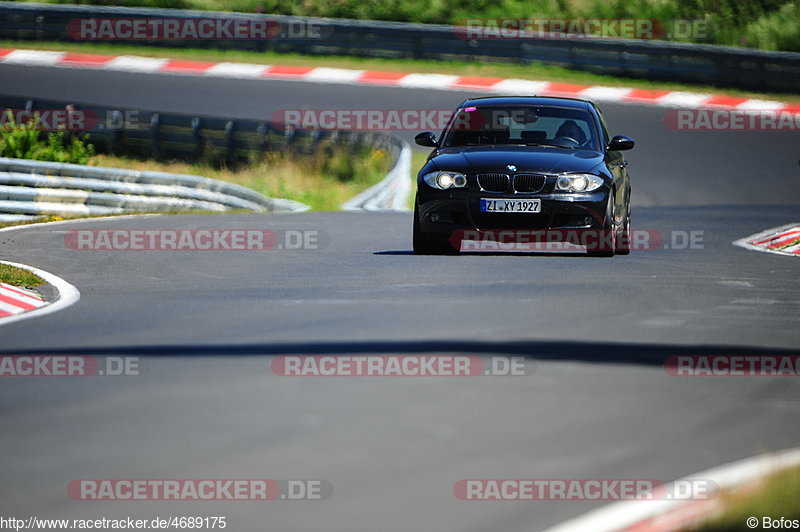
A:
x: 525, y: 158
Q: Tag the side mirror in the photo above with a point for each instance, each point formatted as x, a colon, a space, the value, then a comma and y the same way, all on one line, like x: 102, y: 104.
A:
x: 426, y: 138
x: 620, y: 143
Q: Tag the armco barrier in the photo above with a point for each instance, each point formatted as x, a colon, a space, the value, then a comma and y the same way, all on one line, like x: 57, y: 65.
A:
x: 42, y: 188
x: 390, y: 194
x: 31, y: 188
x: 659, y: 60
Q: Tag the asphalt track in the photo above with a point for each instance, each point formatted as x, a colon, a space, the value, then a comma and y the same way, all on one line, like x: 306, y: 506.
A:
x: 599, y: 405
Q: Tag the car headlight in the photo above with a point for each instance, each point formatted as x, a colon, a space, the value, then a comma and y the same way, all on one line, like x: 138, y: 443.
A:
x: 578, y: 182
x: 445, y: 180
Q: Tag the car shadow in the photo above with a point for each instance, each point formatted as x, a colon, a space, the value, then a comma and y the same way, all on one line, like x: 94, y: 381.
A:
x: 490, y: 253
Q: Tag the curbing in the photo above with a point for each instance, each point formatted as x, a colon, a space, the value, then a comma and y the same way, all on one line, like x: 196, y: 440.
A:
x: 147, y: 65
x: 16, y: 300
x: 67, y: 295
x: 669, y: 515
x: 784, y: 240
x: 650, y: 57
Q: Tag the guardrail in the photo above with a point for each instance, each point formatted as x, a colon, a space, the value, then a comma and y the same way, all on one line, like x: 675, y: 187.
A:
x: 33, y: 188
x: 658, y: 60
x: 29, y: 188
x: 391, y: 193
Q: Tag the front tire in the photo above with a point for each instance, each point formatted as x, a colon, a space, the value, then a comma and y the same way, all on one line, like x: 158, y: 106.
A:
x: 624, y: 241
x: 428, y: 244
x: 607, y: 250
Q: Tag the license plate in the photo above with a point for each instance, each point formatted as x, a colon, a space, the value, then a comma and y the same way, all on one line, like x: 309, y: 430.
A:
x: 509, y: 205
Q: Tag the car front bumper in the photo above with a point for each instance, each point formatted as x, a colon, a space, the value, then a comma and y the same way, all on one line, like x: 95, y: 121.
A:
x: 443, y: 212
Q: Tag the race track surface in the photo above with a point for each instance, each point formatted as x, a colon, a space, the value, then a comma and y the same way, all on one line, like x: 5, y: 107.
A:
x: 599, y: 404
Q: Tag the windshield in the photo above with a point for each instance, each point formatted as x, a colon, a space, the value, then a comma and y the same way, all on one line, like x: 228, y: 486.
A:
x: 560, y: 127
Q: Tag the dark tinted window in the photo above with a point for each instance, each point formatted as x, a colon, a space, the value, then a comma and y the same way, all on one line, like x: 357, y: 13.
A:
x: 562, y: 126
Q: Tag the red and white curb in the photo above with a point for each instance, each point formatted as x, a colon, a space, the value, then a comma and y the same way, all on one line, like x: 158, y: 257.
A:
x: 152, y: 65
x: 674, y: 515
x: 17, y: 304
x: 780, y: 240
x: 15, y: 300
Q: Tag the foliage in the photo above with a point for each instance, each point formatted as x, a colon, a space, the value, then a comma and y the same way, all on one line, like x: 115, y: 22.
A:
x: 25, y: 141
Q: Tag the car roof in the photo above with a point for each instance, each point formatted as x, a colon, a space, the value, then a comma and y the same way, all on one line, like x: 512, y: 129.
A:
x: 491, y: 101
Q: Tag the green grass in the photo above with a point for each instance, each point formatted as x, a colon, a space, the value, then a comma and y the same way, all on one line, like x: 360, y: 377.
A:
x: 19, y: 277
x: 25, y: 141
x: 770, y: 24
x: 38, y: 219
x: 501, y: 70
x: 776, y: 496
x: 323, y: 181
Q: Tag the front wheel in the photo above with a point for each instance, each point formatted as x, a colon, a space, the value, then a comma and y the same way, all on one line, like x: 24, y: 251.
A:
x: 623, y: 246
x: 428, y: 244
x: 607, y: 244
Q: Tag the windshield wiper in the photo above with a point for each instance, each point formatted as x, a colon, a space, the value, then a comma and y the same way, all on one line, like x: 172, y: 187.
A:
x: 549, y: 145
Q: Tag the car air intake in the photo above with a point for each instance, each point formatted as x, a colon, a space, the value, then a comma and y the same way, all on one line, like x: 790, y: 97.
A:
x: 528, y: 182
x: 493, y: 182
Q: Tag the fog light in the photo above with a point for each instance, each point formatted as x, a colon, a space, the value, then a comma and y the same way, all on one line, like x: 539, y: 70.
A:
x: 588, y: 220
x: 434, y: 217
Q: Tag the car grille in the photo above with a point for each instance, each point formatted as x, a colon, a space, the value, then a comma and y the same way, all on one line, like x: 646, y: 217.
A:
x: 493, y: 182
x: 528, y: 182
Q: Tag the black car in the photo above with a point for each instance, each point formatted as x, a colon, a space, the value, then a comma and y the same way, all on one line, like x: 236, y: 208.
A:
x: 523, y: 170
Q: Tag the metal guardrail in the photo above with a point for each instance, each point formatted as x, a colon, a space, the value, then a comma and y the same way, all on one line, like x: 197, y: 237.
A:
x: 391, y: 193
x: 42, y: 188
x: 658, y: 60
x: 29, y: 188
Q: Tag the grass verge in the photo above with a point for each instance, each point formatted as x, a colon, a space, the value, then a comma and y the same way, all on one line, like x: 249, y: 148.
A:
x: 18, y: 277
x: 322, y: 181
x: 774, y: 497
x: 534, y: 71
